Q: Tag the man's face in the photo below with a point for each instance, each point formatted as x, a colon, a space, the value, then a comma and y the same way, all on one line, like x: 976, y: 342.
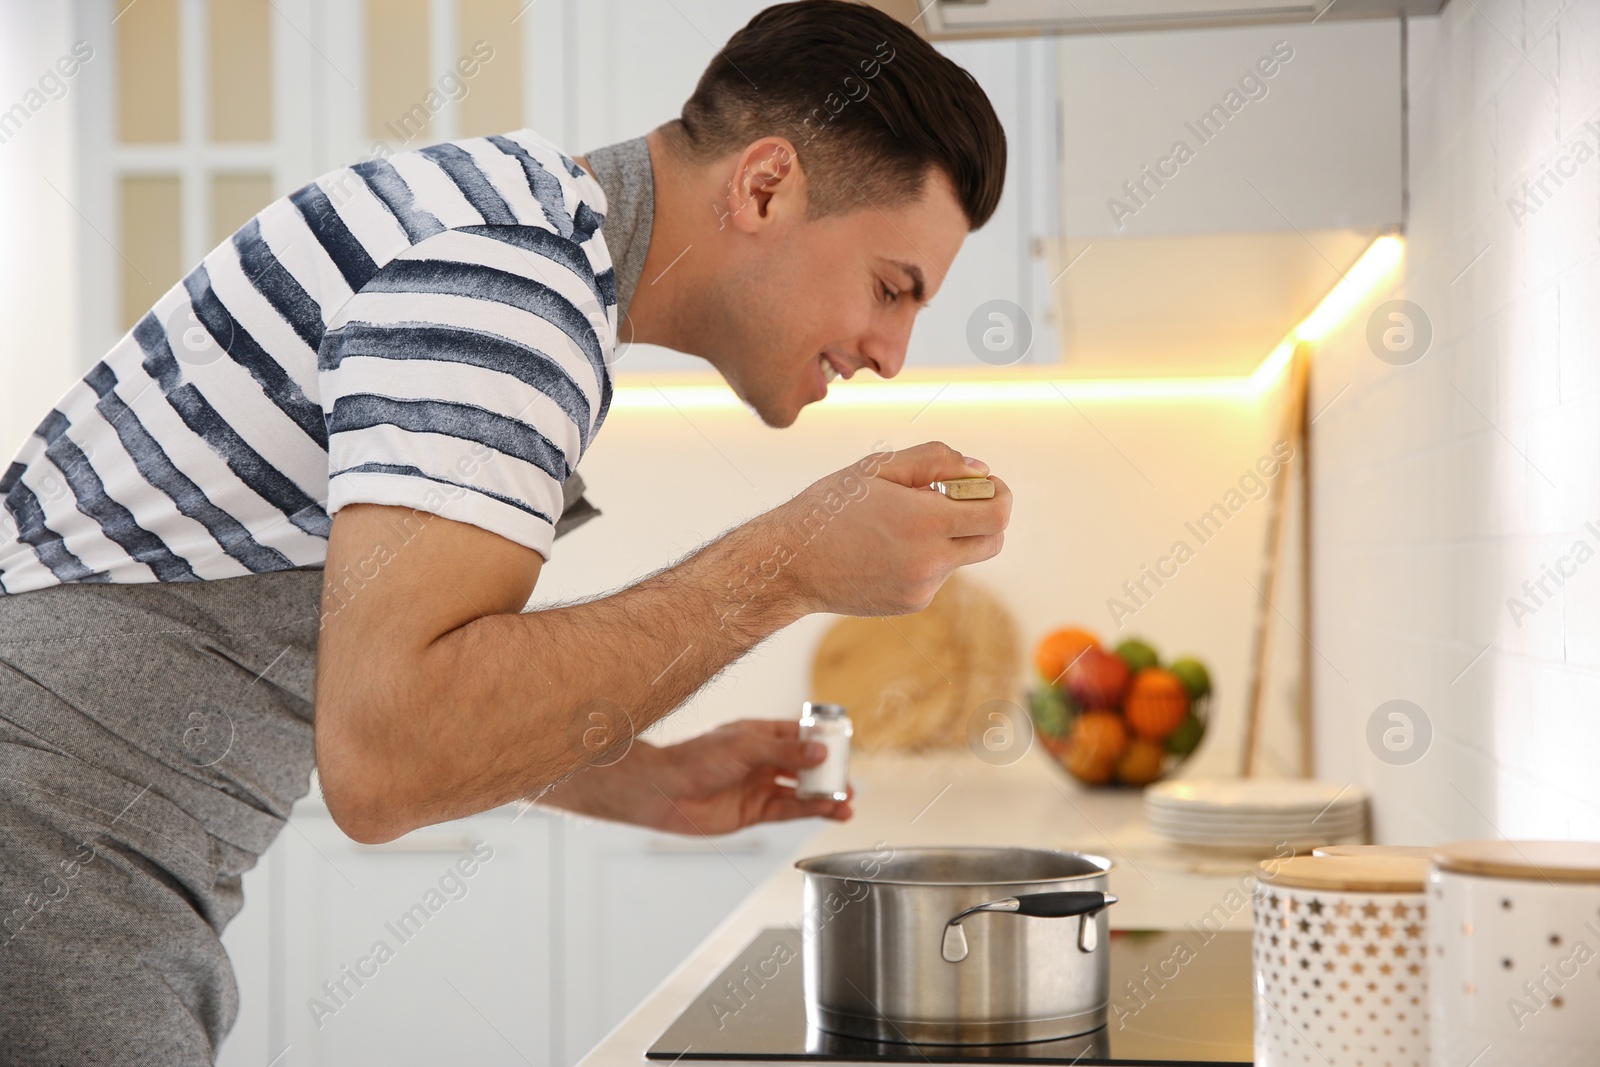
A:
x: 837, y: 294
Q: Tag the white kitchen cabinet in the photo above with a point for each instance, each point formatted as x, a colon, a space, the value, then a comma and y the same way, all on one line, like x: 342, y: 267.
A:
x: 1004, y: 260
x: 1253, y: 128
x: 557, y: 936
x: 635, y: 904
x: 431, y: 949
x: 248, y: 940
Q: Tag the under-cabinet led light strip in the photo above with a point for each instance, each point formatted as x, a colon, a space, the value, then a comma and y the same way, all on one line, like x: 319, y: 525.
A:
x: 1375, y: 268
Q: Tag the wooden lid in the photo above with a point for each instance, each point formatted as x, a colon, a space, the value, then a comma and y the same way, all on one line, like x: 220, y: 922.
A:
x: 1421, y: 852
x: 1540, y: 861
x: 1348, y: 874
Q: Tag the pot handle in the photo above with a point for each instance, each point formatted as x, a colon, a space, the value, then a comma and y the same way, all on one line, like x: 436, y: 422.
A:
x: 1041, y: 905
x: 1062, y: 905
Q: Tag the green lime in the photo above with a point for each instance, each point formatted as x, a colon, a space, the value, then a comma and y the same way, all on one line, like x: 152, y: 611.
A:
x: 1138, y: 655
x: 1194, y: 676
x: 1186, y: 737
x: 1052, y: 711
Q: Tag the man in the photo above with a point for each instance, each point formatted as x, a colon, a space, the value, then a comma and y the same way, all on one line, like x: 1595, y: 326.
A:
x: 376, y: 393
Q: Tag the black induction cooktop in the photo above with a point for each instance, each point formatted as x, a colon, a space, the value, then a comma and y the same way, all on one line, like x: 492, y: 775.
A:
x: 1177, y: 998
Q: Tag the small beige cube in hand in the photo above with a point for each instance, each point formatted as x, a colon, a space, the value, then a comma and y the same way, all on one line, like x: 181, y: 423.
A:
x: 966, y: 488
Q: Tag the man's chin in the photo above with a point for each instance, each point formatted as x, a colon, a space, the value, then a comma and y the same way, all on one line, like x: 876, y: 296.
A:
x: 776, y: 412
x: 778, y: 420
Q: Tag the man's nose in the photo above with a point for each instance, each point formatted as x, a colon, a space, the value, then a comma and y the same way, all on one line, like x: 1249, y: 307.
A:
x: 885, y: 349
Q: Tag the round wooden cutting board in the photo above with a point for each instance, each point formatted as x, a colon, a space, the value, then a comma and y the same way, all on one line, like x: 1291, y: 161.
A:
x: 912, y: 681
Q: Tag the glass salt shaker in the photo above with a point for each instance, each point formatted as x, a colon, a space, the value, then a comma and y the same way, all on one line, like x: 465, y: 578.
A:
x: 830, y: 725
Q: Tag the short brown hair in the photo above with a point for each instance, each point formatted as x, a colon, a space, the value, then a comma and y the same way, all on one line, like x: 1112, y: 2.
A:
x: 868, y: 105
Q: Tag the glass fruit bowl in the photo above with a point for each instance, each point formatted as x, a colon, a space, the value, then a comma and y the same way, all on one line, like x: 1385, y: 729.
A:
x: 1117, y: 717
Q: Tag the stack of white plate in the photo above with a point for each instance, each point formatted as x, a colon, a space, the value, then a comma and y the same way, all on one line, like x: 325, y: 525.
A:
x: 1256, y: 813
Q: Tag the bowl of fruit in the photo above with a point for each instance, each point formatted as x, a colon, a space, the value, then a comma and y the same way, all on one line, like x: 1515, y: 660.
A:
x: 1119, y: 716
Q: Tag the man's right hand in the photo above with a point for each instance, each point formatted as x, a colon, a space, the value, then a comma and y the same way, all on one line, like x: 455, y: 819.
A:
x: 873, y: 539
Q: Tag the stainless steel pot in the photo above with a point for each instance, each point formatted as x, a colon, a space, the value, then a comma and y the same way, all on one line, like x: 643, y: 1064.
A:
x: 956, y: 946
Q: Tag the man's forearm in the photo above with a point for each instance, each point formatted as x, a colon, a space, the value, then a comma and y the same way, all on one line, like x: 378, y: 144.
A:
x: 618, y: 791
x: 507, y: 705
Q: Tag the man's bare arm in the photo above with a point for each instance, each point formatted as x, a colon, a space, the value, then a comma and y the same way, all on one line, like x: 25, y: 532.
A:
x: 437, y: 698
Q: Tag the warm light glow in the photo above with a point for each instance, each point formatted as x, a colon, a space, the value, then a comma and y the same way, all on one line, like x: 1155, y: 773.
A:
x: 1044, y: 384
x: 918, y: 394
x: 1266, y: 375
x: 1375, y: 267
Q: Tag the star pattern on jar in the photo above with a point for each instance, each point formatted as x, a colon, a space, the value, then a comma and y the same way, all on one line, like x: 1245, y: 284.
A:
x: 1340, y: 975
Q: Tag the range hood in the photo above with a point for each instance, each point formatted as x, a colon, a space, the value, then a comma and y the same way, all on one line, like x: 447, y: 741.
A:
x: 957, y: 19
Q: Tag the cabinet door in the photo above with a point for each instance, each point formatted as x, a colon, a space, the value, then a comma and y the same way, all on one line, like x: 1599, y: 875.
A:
x: 1236, y: 129
x: 636, y: 903
x: 431, y: 949
x: 997, y: 263
x: 248, y: 940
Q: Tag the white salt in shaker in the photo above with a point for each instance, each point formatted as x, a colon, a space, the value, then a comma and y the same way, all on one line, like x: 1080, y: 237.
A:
x: 830, y: 725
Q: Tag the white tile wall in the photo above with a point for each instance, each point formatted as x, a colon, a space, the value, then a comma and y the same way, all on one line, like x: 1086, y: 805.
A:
x: 1442, y: 486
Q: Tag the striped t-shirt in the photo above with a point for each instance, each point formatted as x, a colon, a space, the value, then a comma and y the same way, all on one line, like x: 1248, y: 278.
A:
x: 429, y: 331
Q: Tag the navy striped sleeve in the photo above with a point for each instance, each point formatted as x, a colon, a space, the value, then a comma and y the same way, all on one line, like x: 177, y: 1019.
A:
x: 466, y: 379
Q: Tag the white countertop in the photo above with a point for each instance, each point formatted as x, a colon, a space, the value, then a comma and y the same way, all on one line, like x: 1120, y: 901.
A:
x: 956, y: 799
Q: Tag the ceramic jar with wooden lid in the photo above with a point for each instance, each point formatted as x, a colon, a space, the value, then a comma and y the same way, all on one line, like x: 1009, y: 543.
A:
x: 1340, y: 956
x: 1515, y: 942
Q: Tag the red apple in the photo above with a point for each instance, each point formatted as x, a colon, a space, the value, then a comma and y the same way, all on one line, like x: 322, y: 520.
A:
x: 1098, y: 679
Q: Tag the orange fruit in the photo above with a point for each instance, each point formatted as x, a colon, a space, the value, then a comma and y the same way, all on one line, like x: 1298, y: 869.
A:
x: 1142, y: 763
x: 1097, y: 740
x: 1057, y: 649
x: 1156, y: 703
x: 1088, y: 770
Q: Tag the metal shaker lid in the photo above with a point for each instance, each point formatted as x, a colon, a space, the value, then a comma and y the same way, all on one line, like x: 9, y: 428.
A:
x: 823, y: 711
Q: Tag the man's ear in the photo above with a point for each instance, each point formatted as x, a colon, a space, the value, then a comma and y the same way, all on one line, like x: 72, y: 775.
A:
x: 767, y: 183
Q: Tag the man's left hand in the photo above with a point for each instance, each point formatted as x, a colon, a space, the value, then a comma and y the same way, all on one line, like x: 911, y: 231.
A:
x: 722, y: 781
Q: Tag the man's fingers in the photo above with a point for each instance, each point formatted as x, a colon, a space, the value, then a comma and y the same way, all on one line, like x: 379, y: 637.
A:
x: 786, y: 754
x: 972, y: 518
x: 970, y: 550
x: 924, y: 464
x: 771, y: 727
x: 773, y: 743
x: 784, y: 805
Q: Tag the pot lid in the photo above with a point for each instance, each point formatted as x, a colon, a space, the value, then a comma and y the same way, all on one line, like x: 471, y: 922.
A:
x: 1348, y: 874
x: 1543, y: 861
